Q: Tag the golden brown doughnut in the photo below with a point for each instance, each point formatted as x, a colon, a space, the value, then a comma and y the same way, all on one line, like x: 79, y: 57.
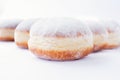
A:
x: 7, y: 28
x: 113, y: 29
x: 22, y: 33
x: 99, y: 34
x: 60, y: 39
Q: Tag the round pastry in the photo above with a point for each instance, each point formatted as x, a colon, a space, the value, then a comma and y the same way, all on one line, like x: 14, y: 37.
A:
x: 60, y: 39
x: 99, y: 34
x: 22, y: 33
x: 113, y: 29
x: 7, y: 28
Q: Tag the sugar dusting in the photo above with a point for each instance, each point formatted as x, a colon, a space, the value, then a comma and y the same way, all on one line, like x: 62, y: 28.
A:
x: 111, y: 25
x: 11, y: 23
x: 97, y: 28
x: 26, y: 24
x: 64, y: 26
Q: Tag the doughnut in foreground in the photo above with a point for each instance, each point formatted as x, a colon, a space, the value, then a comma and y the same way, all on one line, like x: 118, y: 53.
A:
x: 60, y: 39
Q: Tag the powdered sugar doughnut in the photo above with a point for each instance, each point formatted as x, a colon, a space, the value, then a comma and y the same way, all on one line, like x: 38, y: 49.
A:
x: 113, y: 29
x: 22, y: 32
x: 7, y: 28
x: 99, y: 34
x: 60, y: 39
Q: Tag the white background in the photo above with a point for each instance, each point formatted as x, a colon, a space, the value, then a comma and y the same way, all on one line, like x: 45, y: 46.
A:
x: 74, y: 8
x: 20, y: 64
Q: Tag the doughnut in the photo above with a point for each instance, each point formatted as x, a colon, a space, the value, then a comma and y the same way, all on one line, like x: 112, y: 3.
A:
x: 113, y: 29
x: 7, y: 28
x: 22, y: 33
x: 60, y: 39
x: 99, y: 34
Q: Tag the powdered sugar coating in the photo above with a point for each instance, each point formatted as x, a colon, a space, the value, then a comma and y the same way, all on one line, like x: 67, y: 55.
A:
x: 64, y: 26
x: 113, y: 29
x: 111, y: 25
x: 11, y: 23
x: 97, y: 28
x: 26, y: 24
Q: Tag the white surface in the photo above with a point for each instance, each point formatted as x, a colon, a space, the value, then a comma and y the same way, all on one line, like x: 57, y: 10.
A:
x: 20, y: 64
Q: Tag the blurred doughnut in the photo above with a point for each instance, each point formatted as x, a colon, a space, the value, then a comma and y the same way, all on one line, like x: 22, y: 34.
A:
x: 22, y: 33
x: 7, y: 28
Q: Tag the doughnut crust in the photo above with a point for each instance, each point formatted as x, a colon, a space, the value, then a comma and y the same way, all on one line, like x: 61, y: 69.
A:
x: 59, y: 55
x: 60, y: 48
x: 21, y: 38
x: 6, y: 34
